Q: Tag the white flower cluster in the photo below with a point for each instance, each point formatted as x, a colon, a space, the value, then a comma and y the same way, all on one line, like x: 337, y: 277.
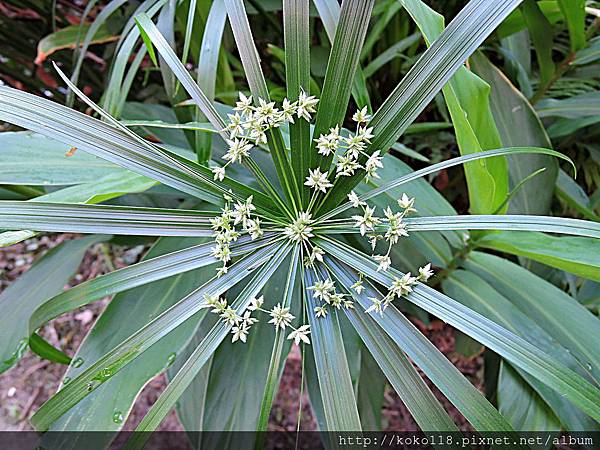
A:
x: 249, y: 124
x: 348, y: 151
x: 395, y: 227
x: 225, y: 231
x: 241, y: 324
x: 399, y: 287
x: 327, y: 293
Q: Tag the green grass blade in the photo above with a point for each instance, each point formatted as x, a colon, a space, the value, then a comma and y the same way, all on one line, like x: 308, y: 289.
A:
x: 580, y: 256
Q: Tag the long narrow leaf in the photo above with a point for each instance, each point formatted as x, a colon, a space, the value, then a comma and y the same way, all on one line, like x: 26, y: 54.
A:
x: 297, y: 71
x: 429, y: 74
x: 200, y: 356
x: 341, y: 68
x: 472, y: 404
x: 258, y: 86
x: 147, y: 271
x: 418, y: 398
x: 114, y: 360
x: 103, y: 219
x: 546, y: 224
x: 516, y: 350
x: 335, y: 385
x: 443, y: 165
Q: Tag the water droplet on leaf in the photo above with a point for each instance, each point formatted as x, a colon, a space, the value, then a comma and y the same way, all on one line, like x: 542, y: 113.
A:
x: 117, y: 417
x: 77, y: 362
x: 171, y: 359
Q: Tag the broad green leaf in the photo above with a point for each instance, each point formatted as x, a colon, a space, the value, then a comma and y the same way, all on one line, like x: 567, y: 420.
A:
x: 553, y: 310
x: 68, y: 38
x: 44, y: 279
x: 568, y: 190
x: 541, y: 34
x: 200, y: 356
x: 583, y: 105
x: 473, y: 292
x: 467, y: 98
x: 335, y: 385
x: 515, y: 21
x: 521, y: 405
x: 113, y: 361
x: 516, y: 50
x: 29, y: 158
x: 513, y: 348
x: 574, y: 12
x: 108, y: 409
x: 519, y: 125
x: 578, y: 255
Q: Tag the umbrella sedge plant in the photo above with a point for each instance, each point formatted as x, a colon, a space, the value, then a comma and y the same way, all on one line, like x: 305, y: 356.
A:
x: 303, y: 218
